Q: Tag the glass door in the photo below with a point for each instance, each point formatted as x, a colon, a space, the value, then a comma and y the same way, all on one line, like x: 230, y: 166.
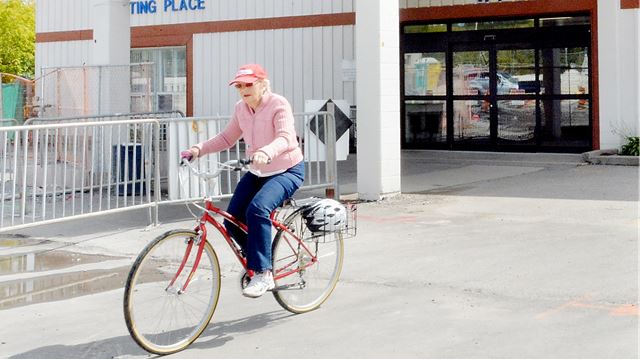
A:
x: 517, y: 86
x: 503, y: 85
x: 494, y: 95
x: 472, y: 94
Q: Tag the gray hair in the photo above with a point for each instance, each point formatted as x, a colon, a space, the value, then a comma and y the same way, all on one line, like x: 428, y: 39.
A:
x: 266, y: 85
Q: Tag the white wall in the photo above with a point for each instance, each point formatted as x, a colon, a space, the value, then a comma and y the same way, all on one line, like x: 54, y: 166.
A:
x: 217, y: 10
x: 619, y: 73
x: 63, y: 15
x: 308, y: 62
x: 303, y: 64
x: 64, y: 53
x: 67, y: 15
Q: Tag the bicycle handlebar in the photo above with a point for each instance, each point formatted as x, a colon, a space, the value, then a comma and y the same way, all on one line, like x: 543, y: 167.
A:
x: 231, y: 165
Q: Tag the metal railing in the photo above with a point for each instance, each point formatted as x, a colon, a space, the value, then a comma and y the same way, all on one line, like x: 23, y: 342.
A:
x: 107, y: 117
x: 54, y: 172
x: 50, y: 173
x: 317, y: 129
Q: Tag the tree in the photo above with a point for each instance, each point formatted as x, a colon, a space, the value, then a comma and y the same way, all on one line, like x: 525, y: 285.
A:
x: 17, y: 37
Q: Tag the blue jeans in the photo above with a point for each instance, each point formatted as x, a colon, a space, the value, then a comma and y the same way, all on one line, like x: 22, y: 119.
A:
x: 253, y: 201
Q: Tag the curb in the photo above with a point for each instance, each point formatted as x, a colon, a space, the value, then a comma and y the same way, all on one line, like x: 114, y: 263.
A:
x: 610, y: 157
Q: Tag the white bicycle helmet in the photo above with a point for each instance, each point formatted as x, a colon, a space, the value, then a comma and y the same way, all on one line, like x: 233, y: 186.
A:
x: 325, y: 215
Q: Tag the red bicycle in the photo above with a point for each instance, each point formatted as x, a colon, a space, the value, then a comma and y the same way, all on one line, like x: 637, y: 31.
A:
x: 173, y: 287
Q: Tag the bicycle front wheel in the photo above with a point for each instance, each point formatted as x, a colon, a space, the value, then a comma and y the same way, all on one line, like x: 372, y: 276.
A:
x: 306, y: 271
x: 165, y: 317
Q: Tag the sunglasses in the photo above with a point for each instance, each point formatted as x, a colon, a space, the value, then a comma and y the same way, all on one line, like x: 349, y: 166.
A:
x: 243, y: 85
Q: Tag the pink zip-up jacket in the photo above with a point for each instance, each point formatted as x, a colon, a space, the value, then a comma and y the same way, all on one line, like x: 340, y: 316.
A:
x: 270, y: 130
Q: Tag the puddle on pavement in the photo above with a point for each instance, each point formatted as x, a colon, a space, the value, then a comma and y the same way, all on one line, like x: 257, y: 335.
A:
x: 46, y: 260
x: 58, y: 287
x: 54, y: 287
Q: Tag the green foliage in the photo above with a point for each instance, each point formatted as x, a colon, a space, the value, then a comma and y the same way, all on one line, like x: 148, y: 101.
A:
x: 17, y: 37
x: 632, y: 147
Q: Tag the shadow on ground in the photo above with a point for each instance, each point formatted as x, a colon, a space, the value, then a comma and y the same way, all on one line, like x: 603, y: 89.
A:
x: 216, y: 335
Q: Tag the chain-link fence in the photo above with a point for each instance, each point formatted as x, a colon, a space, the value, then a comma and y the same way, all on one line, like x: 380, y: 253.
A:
x: 94, y: 90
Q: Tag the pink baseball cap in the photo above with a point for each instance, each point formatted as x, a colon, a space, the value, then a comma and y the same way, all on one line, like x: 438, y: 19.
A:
x: 249, y: 73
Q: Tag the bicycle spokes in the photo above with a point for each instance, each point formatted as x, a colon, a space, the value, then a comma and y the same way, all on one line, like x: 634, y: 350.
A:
x: 171, y: 292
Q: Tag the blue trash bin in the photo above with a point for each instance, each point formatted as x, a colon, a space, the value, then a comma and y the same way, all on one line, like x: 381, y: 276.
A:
x: 127, y: 165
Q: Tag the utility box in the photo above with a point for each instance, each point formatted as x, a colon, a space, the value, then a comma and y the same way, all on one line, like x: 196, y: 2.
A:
x: 127, y: 169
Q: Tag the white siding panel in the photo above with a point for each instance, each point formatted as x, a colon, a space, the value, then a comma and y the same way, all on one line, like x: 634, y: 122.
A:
x: 58, y: 54
x: 251, y: 11
x: 207, y: 59
x: 62, y: 15
x: 348, y: 6
x: 317, y: 7
x: 259, y: 8
x: 279, y: 8
x: 308, y: 70
x: 269, y: 54
x: 299, y: 69
x: 69, y: 15
x: 327, y: 6
x: 307, y: 6
x: 348, y: 50
x: 326, y: 56
x: 316, y: 61
x: 287, y: 65
x: 243, y: 9
x: 297, y: 8
x: 337, y: 57
x: 269, y: 6
x: 298, y: 60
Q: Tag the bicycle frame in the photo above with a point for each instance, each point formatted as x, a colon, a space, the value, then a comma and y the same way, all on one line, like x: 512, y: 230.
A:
x: 201, y: 229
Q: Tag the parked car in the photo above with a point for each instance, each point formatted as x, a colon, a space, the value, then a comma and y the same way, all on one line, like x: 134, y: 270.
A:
x: 506, y: 83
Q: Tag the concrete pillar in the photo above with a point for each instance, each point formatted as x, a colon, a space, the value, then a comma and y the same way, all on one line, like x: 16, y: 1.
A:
x: 378, y: 98
x: 619, y: 73
x: 110, y: 82
x: 111, y: 32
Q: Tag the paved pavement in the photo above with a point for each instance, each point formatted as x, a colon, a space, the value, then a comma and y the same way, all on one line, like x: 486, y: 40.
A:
x: 483, y: 256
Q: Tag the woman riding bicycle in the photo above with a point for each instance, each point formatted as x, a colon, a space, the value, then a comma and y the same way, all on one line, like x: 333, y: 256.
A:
x: 265, y: 121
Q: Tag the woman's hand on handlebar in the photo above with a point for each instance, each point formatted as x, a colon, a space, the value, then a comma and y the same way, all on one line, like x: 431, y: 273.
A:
x: 260, y: 158
x: 190, y: 154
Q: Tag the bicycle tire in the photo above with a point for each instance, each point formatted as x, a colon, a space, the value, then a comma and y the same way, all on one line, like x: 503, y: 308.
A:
x: 305, y: 289
x: 174, y: 319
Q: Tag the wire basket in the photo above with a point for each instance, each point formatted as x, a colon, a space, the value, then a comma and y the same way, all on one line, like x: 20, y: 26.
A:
x: 351, y: 227
x: 348, y: 230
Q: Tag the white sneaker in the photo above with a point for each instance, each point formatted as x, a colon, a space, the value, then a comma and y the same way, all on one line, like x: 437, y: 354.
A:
x: 259, y: 284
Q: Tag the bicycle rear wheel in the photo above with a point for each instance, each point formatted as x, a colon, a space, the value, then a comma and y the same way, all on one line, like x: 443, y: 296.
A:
x: 302, y: 285
x: 160, y: 317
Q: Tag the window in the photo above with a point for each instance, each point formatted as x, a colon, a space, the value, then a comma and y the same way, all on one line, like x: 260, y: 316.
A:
x: 169, y: 78
x: 428, y: 28
x: 492, y: 25
x: 564, y: 21
x: 424, y: 74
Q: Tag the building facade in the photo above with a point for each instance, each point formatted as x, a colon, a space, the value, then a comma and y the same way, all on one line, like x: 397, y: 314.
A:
x: 522, y: 75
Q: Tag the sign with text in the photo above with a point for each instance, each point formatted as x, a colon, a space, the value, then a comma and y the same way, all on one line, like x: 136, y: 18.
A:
x: 153, y: 6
